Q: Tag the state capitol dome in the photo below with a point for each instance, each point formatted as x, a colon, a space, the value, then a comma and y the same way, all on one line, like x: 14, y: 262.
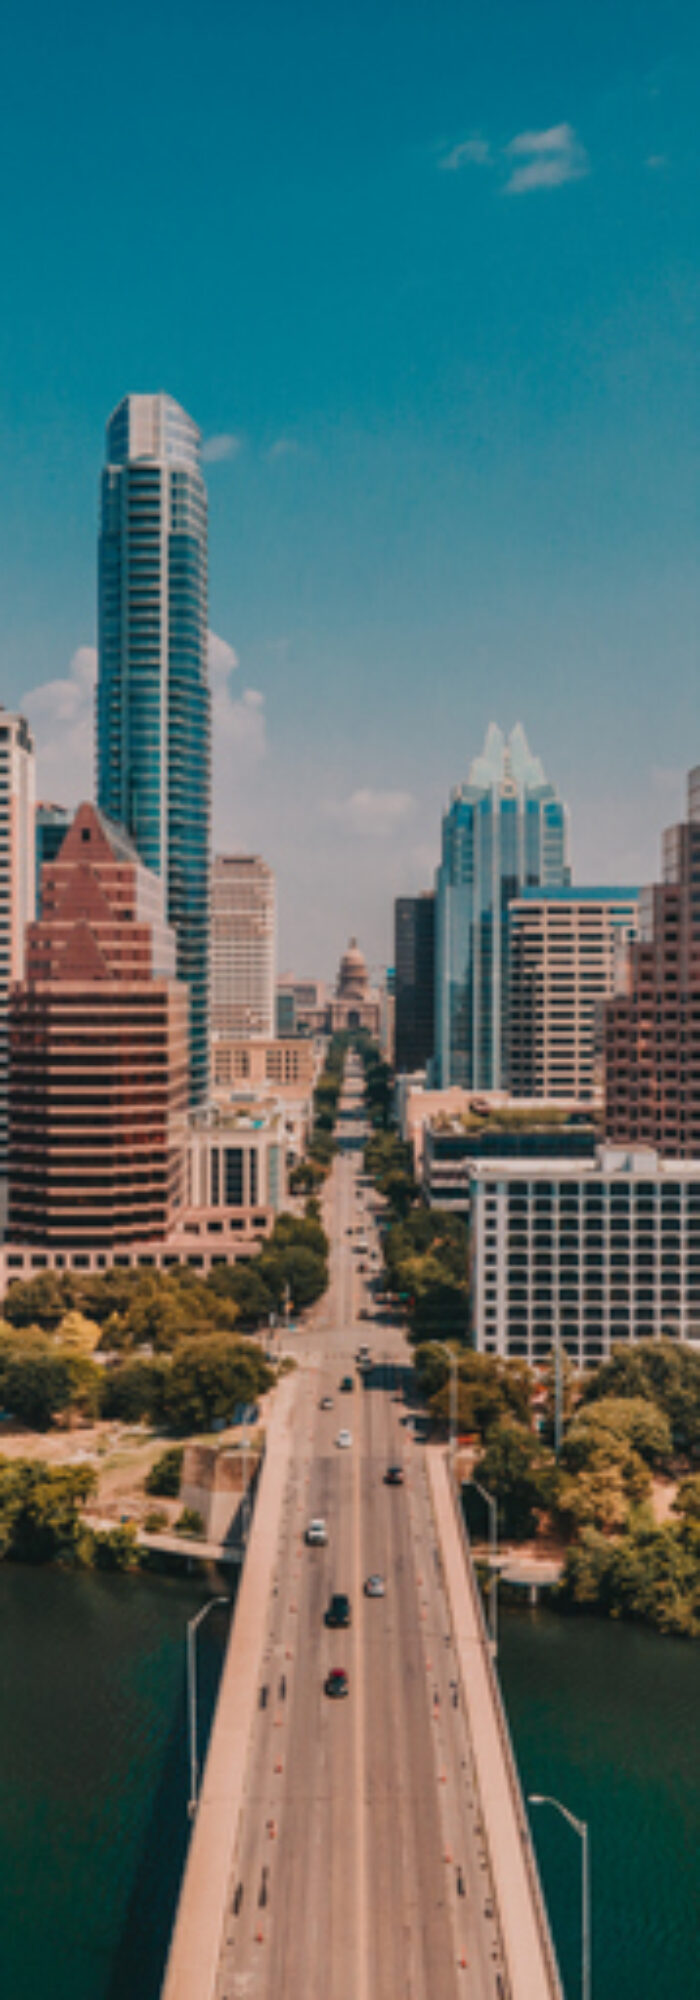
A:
x: 353, y: 979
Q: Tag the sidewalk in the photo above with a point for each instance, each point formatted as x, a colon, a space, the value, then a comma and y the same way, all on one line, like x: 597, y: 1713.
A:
x: 193, y: 1960
x: 529, y: 1953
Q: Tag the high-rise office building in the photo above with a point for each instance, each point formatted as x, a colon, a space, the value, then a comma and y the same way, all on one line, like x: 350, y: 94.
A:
x: 652, y: 1026
x: 51, y: 827
x: 17, y: 876
x: 564, y: 947
x: 414, y: 966
x: 153, y: 703
x: 505, y: 830
x: 243, y: 946
x: 99, y: 1053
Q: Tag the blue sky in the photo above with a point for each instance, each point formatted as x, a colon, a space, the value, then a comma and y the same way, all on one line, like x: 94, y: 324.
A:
x: 427, y: 277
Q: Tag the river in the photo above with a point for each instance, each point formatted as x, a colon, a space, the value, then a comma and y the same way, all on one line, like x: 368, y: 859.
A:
x: 93, y: 1784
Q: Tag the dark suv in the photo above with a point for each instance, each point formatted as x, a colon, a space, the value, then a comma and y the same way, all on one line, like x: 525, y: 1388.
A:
x: 338, y: 1612
x: 393, y: 1475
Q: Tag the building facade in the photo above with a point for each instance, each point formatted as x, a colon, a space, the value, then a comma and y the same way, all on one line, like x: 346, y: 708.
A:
x: 243, y: 946
x: 17, y: 880
x: 414, y: 967
x: 505, y: 830
x: 652, y: 1027
x: 586, y: 1252
x: 99, y: 1053
x: 153, y: 703
x: 51, y: 826
x: 451, y: 1145
x: 563, y: 955
x: 354, y: 1004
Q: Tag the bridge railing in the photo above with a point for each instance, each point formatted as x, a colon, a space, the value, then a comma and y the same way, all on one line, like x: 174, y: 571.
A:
x: 509, y: 1758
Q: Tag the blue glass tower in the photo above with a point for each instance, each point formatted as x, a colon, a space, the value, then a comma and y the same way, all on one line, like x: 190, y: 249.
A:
x: 504, y: 830
x: 153, y: 702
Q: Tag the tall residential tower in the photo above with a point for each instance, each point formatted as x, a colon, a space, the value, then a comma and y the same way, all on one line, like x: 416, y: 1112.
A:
x: 153, y: 713
x: 243, y: 946
x: 504, y: 830
x: 17, y: 877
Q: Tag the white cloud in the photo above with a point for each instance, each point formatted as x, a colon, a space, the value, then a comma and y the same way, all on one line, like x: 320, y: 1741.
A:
x: 469, y: 152
x: 369, y: 812
x: 223, y: 659
x: 238, y: 722
x: 283, y: 447
x: 549, y: 159
x: 61, y: 715
x: 224, y: 444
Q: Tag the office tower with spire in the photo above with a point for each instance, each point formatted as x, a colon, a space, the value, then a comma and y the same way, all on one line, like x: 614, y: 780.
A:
x: 153, y: 705
x: 504, y: 830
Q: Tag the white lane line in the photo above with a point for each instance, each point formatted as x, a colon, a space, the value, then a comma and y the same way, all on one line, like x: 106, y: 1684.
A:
x: 360, y: 1825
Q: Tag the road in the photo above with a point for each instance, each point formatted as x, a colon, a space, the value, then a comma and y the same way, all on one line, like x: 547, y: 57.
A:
x: 361, y: 1872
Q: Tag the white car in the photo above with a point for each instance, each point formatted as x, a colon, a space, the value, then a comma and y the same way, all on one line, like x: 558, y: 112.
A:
x: 317, y: 1534
x: 344, y: 1439
x: 375, y: 1586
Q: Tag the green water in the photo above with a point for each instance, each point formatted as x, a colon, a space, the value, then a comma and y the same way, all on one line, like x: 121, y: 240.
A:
x: 93, y: 1778
x: 604, y: 1717
x: 93, y: 1785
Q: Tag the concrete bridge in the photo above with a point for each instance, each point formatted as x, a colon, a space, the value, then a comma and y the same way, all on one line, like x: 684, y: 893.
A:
x: 375, y: 1847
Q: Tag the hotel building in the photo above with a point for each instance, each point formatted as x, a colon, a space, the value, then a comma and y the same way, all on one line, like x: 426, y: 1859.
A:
x: 17, y: 879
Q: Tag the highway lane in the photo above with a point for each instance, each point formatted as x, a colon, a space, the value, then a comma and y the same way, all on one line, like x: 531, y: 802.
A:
x: 343, y: 1889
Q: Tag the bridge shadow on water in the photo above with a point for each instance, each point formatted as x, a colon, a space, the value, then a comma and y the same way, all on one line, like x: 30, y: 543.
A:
x: 139, y: 1960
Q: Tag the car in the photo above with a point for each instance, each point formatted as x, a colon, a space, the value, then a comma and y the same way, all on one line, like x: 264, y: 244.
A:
x: 393, y: 1475
x: 326, y: 1403
x: 375, y: 1586
x: 363, y: 1353
x: 347, y: 1385
x: 317, y: 1534
x: 337, y: 1682
x: 344, y: 1439
x: 338, y: 1612
x: 363, y: 1313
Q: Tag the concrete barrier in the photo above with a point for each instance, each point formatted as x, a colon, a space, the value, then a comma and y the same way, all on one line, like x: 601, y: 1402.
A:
x: 530, y: 1960
x: 193, y: 1960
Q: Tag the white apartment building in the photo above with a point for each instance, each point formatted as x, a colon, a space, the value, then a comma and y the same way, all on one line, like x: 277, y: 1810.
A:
x: 590, y: 1252
x: 243, y: 947
x: 17, y: 876
x: 563, y: 957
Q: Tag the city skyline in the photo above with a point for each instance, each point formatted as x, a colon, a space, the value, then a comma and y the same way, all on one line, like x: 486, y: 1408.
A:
x: 446, y: 380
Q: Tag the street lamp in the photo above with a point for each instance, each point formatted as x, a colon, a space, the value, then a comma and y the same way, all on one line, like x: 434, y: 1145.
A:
x: 580, y: 1827
x: 192, y: 1625
x: 493, y: 1555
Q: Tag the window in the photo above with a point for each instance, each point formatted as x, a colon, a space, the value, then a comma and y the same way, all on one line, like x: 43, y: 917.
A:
x: 233, y: 1169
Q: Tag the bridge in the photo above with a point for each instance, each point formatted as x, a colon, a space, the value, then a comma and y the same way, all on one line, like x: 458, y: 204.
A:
x: 374, y: 1847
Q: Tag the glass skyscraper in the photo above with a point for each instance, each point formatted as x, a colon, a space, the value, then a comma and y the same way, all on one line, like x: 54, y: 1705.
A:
x: 504, y: 830
x: 153, y: 704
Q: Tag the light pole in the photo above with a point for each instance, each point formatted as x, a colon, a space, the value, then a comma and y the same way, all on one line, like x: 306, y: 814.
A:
x: 192, y: 1625
x: 580, y: 1827
x: 493, y: 1555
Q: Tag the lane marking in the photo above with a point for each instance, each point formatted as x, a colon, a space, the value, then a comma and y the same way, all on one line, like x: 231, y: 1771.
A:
x: 360, y: 1751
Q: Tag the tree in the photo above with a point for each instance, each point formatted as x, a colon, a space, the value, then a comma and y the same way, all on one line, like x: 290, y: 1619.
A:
x: 687, y: 1500
x: 208, y: 1378
x: 632, y: 1420
x: 165, y: 1474
x: 520, y: 1472
x: 664, y: 1372
x: 133, y: 1392
x: 41, y: 1511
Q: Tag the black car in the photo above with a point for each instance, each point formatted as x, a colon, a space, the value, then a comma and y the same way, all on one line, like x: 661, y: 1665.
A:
x: 337, y: 1682
x: 347, y: 1384
x: 338, y: 1612
x: 393, y: 1475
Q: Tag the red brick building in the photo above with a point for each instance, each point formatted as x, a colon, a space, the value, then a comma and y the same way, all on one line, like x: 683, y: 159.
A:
x: 98, y: 1053
x: 652, y: 1028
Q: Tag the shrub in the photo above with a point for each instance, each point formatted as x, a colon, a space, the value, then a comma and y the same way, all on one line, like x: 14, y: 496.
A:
x: 165, y: 1474
x: 189, y: 1522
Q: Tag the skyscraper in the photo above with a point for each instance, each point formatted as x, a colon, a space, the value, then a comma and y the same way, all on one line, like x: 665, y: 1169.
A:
x: 564, y: 947
x: 504, y: 830
x: 414, y: 962
x: 17, y: 876
x: 153, y: 713
x: 243, y: 946
x: 652, y: 1027
x: 98, y: 1035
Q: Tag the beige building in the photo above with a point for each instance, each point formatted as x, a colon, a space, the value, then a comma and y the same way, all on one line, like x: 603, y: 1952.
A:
x: 288, y: 1063
x: 17, y: 878
x: 243, y: 946
x: 563, y: 953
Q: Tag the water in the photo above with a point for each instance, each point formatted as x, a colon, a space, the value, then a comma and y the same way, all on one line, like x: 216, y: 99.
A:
x: 94, y: 1778
x: 604, y: 1717
x: 93, y: 1784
